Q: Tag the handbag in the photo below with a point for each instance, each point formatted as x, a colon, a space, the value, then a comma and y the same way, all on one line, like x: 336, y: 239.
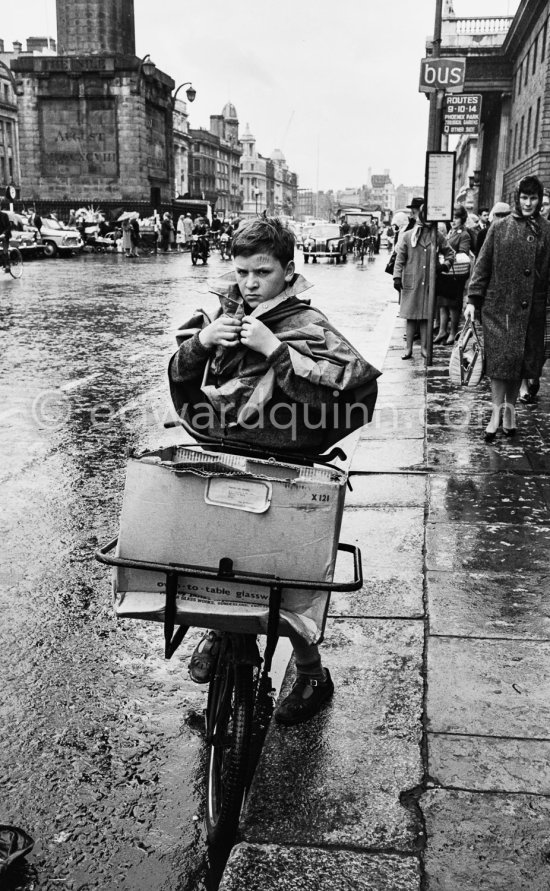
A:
x: 390, y: 265
x: 461, y: 264
x: 467, y: 358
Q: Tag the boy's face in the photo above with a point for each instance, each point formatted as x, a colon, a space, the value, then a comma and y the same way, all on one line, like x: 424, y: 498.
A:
x: 261, y: 277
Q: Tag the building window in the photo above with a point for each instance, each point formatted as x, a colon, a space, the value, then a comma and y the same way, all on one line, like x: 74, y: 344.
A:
x: 514, y: 153
x: 543, y: 42
x: 509, y: 148
x: 520, y: 74
x: 526, y: 67
x: 10, y: 168
x: 528, y: 132
x: 535, y: 51
x: 521, y: 128
x: 537, y: 121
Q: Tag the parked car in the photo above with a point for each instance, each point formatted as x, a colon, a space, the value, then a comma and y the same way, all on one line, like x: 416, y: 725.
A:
x: 325, y: 240
x: 24, y: 236
x: 58, y: 238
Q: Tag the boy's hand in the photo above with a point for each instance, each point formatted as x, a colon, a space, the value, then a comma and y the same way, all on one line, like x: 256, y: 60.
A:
x: 258, y: 337
x: 223, y: 331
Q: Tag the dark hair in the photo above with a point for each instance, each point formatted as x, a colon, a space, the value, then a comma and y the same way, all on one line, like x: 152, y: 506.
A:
x: 460, y: 211
x: 484, y: 210
x: 267, y: 235
x: 530, y: 185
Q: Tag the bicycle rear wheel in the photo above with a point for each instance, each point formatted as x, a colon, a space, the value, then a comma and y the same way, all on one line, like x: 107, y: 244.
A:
x: 229, y: 719
x: 16, y: 263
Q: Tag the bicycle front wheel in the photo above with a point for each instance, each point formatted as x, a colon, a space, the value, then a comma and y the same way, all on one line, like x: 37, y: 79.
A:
x: 229, y: 715
x: 16, y: 263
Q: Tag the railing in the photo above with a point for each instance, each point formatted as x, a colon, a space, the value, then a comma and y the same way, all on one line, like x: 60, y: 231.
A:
x: 488, y: 25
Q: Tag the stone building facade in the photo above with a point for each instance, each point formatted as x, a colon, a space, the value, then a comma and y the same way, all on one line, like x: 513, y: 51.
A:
x: 507, y: 61
x: 266, y: 183
x: 95, y: 126
x: 10, y: 170
x: 214, y: 162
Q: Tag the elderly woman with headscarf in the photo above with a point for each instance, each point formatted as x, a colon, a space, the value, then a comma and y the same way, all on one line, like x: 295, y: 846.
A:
x: 411, y: 277
x: 510, y: 284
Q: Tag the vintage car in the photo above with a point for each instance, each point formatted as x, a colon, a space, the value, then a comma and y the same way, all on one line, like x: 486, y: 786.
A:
x: 24, y: 235
x: 58, y: 238
x: 325, y: 240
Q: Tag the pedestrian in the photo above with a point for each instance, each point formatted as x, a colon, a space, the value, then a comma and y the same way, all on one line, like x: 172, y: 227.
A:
x: 180, y: 233
x: 279, y: 353
x: 126, y: 237
x: 188, y: 229
x: 72, y: 219
x: 135, y: 237
x: 545, y: 210
x: 165, y: 230
x: 172, y: 233
x: 411, y: 276
x: 450, y: 286
x: 510, y: 284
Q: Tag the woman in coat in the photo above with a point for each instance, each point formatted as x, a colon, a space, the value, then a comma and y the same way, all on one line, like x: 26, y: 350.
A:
x: 411, y: 277
x: 450, y: 287
x: 510, y: 283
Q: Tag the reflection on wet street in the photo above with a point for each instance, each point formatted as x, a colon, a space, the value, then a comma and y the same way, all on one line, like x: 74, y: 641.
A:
x: 100, y: 737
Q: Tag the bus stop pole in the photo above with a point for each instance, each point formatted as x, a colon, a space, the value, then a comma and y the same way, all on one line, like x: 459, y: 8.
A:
x: 434, y: 145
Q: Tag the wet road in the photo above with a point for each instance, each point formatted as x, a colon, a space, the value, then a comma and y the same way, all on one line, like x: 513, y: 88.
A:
x: 100, y: 737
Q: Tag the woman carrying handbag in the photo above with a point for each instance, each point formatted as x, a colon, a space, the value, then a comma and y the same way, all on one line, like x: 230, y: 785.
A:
x: 450, y: 286
x: 510, y: 283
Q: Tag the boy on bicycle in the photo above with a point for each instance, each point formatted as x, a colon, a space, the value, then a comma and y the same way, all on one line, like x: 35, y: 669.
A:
x: 269, y: 370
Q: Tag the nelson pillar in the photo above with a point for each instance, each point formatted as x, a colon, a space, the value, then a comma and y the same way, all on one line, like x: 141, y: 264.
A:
x: 95, y: 121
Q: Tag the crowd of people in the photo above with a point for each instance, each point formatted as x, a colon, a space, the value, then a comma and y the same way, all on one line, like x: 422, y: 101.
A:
x: 496, y: 266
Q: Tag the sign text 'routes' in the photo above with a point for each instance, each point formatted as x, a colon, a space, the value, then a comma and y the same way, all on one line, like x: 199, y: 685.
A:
x: 462, y: 114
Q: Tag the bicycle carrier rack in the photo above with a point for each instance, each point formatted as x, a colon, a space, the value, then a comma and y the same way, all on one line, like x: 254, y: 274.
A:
x: 225, y: 572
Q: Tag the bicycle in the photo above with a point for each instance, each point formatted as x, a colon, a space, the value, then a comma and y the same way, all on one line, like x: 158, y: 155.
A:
x: 360, y: 248
x: 13, y: 262
x: 371, y: 246
x: 240, y: 698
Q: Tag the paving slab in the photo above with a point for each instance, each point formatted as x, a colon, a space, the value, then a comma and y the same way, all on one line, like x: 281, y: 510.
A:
x: 453, y: 453
x: 391, y: 540
x: 388, y: 455
x: 484, y: 841
x: 496, y: 498
x: 337, y: 780
x: 399, y: 597
x: 390, y: 422
x: 496, y: 546
x: 489, y: 764
x: 276, y: 868
x: 382, y: 489
x: 489, y: 687
x: 489, y: 604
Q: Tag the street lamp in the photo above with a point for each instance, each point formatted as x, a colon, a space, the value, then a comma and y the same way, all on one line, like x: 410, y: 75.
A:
x: 190, y: 92
x: 146, y: 69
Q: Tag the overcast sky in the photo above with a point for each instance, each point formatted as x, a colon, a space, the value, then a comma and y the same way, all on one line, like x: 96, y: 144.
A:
x: 333, y: 83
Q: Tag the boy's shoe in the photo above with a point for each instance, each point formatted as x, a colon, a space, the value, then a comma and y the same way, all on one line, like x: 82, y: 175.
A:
x: 203, y: 659
x: 304, y: 700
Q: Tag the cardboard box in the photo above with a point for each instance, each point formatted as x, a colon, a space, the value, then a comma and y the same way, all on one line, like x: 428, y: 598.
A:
x: 183, y: 505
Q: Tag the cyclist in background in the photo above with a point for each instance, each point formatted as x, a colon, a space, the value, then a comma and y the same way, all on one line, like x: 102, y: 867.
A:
x: 5, y: 234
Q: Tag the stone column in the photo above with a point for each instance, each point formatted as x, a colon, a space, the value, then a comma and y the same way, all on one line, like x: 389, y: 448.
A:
x: 502, y: 144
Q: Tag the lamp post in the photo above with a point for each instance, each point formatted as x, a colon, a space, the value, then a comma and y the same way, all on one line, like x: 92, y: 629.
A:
x: 434, y: 145
x: 257, y: 194
x: 190, y: 92
x: 146, y: 69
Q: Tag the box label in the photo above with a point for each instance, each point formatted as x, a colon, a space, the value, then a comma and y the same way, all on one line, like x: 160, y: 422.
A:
x: 253, y: 496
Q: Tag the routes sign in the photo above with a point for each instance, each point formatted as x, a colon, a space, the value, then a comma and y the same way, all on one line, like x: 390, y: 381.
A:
x: 442, y: 74
x: 462, y: 114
